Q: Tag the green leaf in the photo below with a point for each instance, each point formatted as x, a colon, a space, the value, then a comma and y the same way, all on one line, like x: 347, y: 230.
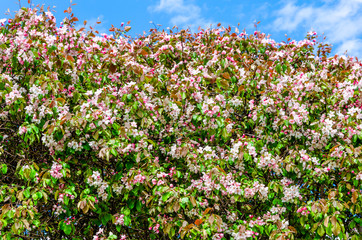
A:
x: 166, y: 196
x: 26, y: 193
x: 36, y: 223
x: 220, y: 122
x: 114, y: 152
x: 329, y: 230
x: 139, y: 206
x: 224, y: 133
x: 320, y: 230
x: 115, y: 126
x: 129, y: 165
x: 67, y: 229
x: 32, y: 174
x: 354, y: 237
x: 172, y: 232
x: 135, y: 105
x: 106, y: 217
x: 39, y: 195
x: 302, y: 221
x: 127, y: 220
x: 284, y: 68
x: 4, y: 168
x: 131, y: 204
x: 76, y: 96
x: 184, y: 202
x: 66, y: 200
x: 183, y: 94
x: 63, y: 172
x: 234, y: 79
x: 96, y: 58
x: 126, y: 211
x: 52, y: 49
x: 35, y: 52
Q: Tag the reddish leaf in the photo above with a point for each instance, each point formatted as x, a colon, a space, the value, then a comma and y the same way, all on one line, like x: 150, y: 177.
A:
x: 52, y: 104
x: 70, y: 58
x: 188, y: 227
x: 354, y: 197
x: 51, y: 129
x: 144, y: 52
x: 127, y: 28
x: 193, y: 200
x: 112, y: 68
x: 222, y: 170
x: 61, y: 100
x: 326, y: 221
x: 207, y: 210
x: 291, y: 228
x: 198, y: 222
x: 226, y: 75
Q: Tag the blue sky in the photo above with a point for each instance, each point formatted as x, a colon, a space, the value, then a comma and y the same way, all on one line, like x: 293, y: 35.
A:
x: 339, y: 20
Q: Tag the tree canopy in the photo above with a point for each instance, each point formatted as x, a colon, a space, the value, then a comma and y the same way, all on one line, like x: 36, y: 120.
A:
x: 217, y: 134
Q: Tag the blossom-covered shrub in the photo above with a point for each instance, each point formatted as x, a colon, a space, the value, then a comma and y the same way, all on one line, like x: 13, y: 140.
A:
x: 212, y: 135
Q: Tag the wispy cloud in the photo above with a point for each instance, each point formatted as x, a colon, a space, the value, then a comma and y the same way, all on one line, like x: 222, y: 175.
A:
x: 184, y: 14
x: 341, y: 22
x: 353, y: 46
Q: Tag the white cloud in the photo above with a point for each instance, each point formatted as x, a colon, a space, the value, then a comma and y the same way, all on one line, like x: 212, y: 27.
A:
x: 353, y: 46
x: 184, y: 14
x: 341, y: 22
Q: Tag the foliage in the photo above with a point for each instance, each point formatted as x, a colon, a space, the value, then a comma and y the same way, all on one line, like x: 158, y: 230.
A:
x: 213, y: 135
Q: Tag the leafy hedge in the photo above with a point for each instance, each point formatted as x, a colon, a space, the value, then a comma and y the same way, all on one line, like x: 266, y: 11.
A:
x: 212, y: 135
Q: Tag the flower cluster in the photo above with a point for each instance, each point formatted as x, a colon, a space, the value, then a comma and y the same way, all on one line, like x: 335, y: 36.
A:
x: 55, y: 170
x: 96, y: 180
x: 120, y: 220
x: 303, y: 211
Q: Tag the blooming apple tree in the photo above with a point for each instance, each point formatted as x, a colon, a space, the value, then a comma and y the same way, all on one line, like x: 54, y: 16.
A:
x: 214, y: 135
